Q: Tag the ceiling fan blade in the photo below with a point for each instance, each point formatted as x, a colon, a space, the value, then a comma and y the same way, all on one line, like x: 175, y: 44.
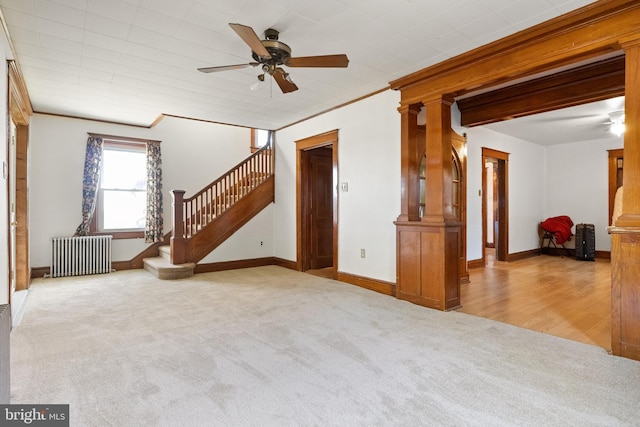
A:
x: 319, y: 61
x: 285, y: 84
x: 227, y: 67
x: 251, y: 38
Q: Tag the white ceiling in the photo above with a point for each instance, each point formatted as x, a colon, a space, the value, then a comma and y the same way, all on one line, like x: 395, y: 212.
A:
x: 582, y: 123
x: 129, y: 61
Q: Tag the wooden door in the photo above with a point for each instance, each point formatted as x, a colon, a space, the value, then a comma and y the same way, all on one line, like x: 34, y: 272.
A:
x: 501, y: 241
x: 317, y: 202
x: 321, y: 209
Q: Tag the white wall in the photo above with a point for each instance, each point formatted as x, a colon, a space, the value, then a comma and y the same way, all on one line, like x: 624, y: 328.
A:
x: 369, y: 161
x: 576, y: 184
x: 526, y: 187
x: 4, y: 196
x: 543, y: 182
x: 193, y: 154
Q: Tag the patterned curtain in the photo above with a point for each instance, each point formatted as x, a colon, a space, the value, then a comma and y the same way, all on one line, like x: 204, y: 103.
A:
x: 153, y: 228
x: 92, y: 162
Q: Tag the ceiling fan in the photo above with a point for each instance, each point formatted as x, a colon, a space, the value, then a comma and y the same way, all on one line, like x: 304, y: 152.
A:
x: 271, y: 54
x: 615, y: 124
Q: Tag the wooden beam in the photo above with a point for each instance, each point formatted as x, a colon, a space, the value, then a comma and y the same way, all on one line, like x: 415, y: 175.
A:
x: 592, y: 82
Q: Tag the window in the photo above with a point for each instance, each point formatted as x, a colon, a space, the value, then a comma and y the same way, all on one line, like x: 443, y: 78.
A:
x: 259, y: 138
x: 121, y: 204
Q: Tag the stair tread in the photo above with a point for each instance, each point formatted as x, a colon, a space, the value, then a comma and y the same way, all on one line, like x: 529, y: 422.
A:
x: 163, y: 269
x: 161, y: 262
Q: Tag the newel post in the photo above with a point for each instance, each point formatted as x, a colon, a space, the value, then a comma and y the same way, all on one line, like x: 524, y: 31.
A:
x: 177, y: 235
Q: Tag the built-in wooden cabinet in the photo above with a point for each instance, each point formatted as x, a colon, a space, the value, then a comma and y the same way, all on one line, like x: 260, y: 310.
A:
x: 431, y: 250
x: 458, y: 191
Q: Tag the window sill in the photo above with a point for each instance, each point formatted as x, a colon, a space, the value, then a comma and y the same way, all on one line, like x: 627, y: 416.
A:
x: 119, y: 234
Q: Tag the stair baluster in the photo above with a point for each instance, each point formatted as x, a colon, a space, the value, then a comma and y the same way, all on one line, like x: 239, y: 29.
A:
x: 192, y: 215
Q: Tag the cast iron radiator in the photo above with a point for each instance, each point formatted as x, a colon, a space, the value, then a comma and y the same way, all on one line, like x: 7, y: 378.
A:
x: 78, y: 256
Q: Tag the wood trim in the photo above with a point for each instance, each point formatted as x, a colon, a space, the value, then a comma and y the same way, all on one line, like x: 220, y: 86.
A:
x: 504, y: 225
x: 592, y: 82
x: 20, y: 112
x: 322, y: 140
x: 490, y: 152
x: 524, y: 255
x: 280, y: 262
x: 560, y: 251
x: 19, y: 102
x: 23, y: 277
x: 475, y: 263
x: 121, y: 138
x: 39, y: 271
x: 134, y: 144
x: 157, y: 121
x: 204, y: 120
x: 386, y: 288
x: 137, y: 261
x: 353, y: 101
x: 111, y: 122
x: 234, y: 265
x: 161, y: 116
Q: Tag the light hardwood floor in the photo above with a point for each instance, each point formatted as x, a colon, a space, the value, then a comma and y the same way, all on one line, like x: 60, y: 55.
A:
x: 556, y: 295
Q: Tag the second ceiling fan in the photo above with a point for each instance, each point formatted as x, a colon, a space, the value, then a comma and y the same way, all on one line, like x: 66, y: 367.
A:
x: 271, y: 54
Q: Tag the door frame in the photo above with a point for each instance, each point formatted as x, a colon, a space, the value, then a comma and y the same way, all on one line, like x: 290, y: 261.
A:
x: 502, y: 242
x: 330, y: 140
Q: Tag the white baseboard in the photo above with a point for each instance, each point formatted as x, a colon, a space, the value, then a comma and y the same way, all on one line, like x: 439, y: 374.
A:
x: 18, y: 303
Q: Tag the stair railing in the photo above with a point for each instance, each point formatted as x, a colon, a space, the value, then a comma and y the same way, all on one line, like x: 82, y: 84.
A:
x: 192, y: 214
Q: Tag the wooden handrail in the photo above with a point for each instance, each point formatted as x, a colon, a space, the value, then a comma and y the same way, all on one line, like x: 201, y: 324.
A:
x: 192, y: 214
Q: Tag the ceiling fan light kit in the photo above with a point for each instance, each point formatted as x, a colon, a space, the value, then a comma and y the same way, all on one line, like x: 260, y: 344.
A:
x: 272, y: 54
x: 617, y: 123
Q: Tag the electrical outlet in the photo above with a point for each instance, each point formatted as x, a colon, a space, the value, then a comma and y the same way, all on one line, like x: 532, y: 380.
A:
x: 362, y: 253
x: 261, y: 243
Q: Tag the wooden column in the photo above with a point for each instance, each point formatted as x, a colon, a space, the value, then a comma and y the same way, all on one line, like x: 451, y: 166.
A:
x: 625, y: 246
x: 439, y: 202
x: 631, y: 180
x: 428, y: 249
x: 410, y: 188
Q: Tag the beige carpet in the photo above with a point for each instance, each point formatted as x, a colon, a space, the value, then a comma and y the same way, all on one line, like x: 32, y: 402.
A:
x: 273, y: 347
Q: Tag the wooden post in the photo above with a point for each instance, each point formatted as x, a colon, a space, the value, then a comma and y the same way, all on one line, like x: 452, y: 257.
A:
x: 178, y: 245
x: 439, y: 202
x: 625, y: 244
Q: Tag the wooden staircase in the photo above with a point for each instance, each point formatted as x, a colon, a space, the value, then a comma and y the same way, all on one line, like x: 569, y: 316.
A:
x: 202, y: 222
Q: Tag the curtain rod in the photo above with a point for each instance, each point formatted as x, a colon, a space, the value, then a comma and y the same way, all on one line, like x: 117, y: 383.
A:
x: 120, y: 138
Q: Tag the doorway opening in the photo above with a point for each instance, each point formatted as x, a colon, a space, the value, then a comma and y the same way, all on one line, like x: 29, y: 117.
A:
x: 317, y: 204
x: 495, y: 204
